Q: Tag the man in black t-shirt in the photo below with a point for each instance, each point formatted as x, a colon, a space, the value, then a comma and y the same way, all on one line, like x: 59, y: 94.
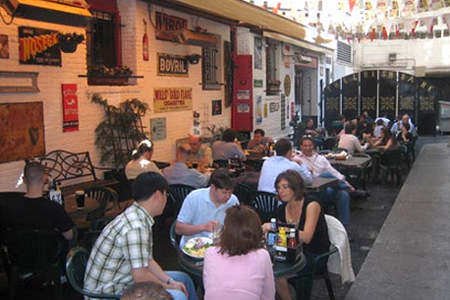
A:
x: 32, y: 210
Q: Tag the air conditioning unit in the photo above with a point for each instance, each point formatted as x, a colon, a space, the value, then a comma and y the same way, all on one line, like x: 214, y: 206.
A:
x: 47, y: 11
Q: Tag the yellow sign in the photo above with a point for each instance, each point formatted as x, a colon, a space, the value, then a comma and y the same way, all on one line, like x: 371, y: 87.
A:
x: 172, y: 99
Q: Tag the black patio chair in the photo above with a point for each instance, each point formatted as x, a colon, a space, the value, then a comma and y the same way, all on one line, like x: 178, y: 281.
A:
x: 243, y: 192
x: 33, y: 251
x: 76, y: 268
x: 265, y: 204
x: 178, y: 192
x: 391, y: 163
x: 103, y: 195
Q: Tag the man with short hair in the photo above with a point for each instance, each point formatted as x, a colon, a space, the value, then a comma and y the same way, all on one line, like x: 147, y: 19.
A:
x: 397, y: 127
x: 260, y: 142
x: 200, y: 152
x: 123, y: 254
x: 204, y: 209
x: 321, y: 167
x: 32, y: 210
x: 275, y: 165
x: 349, y: 141
x: 179, y: 173
x: 228, y: 147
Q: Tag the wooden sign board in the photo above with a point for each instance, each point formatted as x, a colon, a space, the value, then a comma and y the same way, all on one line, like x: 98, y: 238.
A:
x: 21, y: 131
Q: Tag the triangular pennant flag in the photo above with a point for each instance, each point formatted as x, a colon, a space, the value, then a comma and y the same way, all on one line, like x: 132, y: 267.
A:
x: 447, y: 20
x: 429, y: 22
x: 351, y: 4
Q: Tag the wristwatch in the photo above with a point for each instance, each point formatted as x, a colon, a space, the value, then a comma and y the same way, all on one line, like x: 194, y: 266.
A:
x: 169, y: 281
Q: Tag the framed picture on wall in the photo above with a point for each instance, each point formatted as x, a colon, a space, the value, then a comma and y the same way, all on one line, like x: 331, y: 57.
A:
x: 216, y: 107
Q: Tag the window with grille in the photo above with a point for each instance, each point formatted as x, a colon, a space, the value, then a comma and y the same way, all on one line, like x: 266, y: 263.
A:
x: 272, y: 82
x: 102, y: 40
x: 210, y: 67
x: 344, y: 53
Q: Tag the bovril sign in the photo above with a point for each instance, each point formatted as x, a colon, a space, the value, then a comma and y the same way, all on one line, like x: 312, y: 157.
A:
x: 172, y: 65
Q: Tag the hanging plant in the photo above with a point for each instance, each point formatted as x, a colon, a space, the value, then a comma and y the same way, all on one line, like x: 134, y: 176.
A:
x: 68, y: 42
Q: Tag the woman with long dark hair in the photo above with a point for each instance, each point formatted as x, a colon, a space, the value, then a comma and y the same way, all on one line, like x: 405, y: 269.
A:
x: 140, y: 161
x: 307, y: 214
x: 239, y: 267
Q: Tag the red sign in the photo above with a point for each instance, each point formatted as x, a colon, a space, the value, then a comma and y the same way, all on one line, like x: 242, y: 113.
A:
x: 70, y: 107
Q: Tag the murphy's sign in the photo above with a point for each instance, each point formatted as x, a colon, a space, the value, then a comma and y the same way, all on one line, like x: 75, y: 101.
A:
x: 39, y: 47
x: 172, y: 65
x: 167, y: 25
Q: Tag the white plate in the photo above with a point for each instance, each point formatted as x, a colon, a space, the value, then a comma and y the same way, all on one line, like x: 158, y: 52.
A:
x: 192, y: 251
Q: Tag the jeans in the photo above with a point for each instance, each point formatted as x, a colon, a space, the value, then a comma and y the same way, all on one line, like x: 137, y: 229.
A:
x: 338, y: 197
x: 184, y: 278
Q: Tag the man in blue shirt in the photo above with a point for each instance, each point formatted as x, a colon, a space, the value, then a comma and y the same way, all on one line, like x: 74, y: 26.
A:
x: 204, y: 209
x: 274, y: 165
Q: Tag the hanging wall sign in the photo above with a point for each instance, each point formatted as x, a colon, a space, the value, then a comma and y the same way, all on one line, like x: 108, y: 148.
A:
x: 158, y: 129
x: 172, y: 65
x: 167, y: 25
x: 70, y: 107
x: 172, y: 99
x: 39, y: 47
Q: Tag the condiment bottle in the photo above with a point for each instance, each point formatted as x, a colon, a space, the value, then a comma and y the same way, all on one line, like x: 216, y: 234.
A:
x: 292, y: 241
x: 282, y: 240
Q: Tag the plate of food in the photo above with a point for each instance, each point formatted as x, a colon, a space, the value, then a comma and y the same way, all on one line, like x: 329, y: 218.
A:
x: 329, y: 155
x: 196, y: 247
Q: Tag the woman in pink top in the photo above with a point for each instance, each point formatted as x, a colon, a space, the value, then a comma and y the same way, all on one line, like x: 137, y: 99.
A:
x: 239, y: 267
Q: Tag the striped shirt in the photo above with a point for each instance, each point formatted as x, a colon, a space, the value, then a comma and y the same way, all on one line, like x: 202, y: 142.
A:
x: 125, y: 244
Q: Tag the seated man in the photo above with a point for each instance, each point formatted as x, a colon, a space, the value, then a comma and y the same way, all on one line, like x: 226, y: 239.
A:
x: 349, y: 141
x: 122, y: 254
x: 312, y: 131
x: 397, y: 127
x: 179, y: 173
x: 275, y: 165
x: 199, y: 152
x: 260, y: 142
x: 204, y: 209
x: 33, y: 211
x: 320, y: 166
x: 228, y: 147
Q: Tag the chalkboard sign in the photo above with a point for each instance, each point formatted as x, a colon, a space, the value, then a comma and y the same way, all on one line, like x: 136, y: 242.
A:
x: 21, y: 131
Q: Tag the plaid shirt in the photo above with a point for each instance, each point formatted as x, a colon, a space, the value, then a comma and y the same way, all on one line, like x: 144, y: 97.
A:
x: 125, y: 244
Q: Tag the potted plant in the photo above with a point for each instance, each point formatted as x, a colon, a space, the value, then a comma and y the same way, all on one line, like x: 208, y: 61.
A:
x: 121, y: 130
x: 68, y: 42
x: 103, y: 75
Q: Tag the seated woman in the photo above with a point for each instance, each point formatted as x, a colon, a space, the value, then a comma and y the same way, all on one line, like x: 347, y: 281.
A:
x: 140, y: 161
x: 405, y: 136
x: 386, y: 141
x: 308, y: 214
x: 239, y: 267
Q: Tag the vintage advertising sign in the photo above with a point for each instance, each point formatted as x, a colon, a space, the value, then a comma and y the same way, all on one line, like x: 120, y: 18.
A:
x: 158, y: 128
x: 166, y: 25
x: 39, y: 47
x: 172, y: 65
x: 21, y: 131
x: 70, y: 107
x: 172, y: 99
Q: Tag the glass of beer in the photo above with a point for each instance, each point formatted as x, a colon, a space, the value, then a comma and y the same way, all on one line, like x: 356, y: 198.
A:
x: 79, y: 196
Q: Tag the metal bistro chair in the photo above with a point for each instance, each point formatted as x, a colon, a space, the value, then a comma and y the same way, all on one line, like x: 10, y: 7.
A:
x: 76, y: 268
x: 174, y: 238
x: 94, y: 231
x: 265, y: 204
x: 35, y: 251
x: 178, y: 192
x: 103, y: 195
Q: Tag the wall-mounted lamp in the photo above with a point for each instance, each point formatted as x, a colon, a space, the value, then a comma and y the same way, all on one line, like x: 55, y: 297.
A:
x: 193, y: 58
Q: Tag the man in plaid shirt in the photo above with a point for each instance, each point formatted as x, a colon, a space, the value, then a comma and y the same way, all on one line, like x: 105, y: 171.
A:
x: 122, y: 254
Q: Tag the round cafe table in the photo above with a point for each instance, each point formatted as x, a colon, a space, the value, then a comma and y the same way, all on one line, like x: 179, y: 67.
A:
x: 194, y: 266
x: 78, y: 216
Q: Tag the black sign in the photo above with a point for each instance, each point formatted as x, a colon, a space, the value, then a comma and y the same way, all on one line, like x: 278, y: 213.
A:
x: 39, y: 47
x: 172, y: 65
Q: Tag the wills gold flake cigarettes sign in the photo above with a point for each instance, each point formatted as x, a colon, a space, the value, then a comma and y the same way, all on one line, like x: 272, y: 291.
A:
x: 172, y: 99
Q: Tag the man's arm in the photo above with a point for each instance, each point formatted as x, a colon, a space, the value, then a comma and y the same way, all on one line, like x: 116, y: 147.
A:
x: 189, y: 229
x: 154, y: 273
x: 305, y: 173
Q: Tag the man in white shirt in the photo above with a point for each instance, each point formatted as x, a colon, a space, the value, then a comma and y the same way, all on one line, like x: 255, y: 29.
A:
x: 275, y: 165
x: 319, y: 166
x: 397, y: 127
x: 349, y: 141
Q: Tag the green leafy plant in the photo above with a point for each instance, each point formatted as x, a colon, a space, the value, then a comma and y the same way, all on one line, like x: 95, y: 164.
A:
x: 104, y: 71
x: 121, y: 130
x: 216, y: 132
